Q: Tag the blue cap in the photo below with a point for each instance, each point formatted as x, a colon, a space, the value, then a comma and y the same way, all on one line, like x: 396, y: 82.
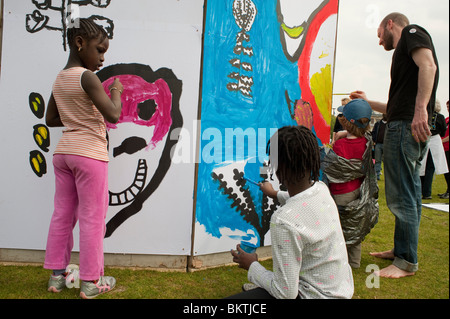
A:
x: 357, y: 109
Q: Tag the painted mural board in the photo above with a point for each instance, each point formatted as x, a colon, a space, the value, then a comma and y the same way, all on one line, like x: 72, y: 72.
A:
x: 155, y: 49
x: 267, y: 64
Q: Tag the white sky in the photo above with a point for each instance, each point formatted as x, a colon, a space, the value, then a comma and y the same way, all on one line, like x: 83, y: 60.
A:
x: 362, y: 64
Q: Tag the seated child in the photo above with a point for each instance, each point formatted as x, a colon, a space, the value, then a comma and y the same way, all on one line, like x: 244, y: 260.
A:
x: 346, y: 174
x: 308, y: 246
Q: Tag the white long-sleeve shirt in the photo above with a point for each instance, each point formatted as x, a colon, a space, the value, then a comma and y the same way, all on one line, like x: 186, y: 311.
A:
x: 308, y: 249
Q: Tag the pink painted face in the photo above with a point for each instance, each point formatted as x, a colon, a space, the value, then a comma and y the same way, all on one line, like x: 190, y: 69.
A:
x: 141, y: 141
x: 144, y: 103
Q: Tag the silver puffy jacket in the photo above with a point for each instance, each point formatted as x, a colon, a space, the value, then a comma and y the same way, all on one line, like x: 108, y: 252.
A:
x: 360, y: 215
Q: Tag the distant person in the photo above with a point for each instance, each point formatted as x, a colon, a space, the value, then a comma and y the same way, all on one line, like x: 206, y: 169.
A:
x: 446, y: 149
x: 337, y: 125
x: 308, y: 247
x: 412, y: 95
x: 378, y: 139
x: 80, y: 104
x: 351, y: 175
x: 435, y: 161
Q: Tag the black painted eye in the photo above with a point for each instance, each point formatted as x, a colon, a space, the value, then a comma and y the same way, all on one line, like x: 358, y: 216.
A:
x: 146, y: 109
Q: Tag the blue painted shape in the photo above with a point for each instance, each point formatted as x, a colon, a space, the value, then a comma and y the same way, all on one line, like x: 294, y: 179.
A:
x: 272, y: 75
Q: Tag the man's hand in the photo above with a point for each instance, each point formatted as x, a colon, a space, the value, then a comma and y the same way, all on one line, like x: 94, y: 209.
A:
x: 358, y: 95
x: 376, y: 106
x: 419, y: 126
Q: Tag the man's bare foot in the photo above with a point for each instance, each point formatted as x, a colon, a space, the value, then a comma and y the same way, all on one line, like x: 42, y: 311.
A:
x: 384, y: 255
x: 393, y: 272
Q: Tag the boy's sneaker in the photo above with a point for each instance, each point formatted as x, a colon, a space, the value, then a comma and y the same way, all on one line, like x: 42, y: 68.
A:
x: 90, y: 289
x: 249, y: 286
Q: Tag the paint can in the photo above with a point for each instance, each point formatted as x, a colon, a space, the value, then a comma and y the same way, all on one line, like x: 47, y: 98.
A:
x: 248, y: 247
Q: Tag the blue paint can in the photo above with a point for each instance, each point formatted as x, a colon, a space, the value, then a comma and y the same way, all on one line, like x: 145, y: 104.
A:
x: 248, y: 247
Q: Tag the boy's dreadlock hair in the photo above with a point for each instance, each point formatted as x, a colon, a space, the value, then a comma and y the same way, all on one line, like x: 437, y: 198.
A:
x: 298, y: 154
x: 87, y: 29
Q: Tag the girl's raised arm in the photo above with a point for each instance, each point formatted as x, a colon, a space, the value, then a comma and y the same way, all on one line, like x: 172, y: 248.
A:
x: 109, y: 107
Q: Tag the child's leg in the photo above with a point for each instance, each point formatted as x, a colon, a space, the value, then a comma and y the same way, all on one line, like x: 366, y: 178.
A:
x: 354, y: 255
x: 91, y: 178
x: 60, y: 235
x: 354, y: 251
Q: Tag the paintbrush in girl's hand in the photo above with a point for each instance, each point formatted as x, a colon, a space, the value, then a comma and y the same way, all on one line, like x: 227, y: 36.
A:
x: 250, y: 181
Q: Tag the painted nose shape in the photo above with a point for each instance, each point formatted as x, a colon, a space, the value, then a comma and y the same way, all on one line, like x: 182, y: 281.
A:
x: 130, y: 146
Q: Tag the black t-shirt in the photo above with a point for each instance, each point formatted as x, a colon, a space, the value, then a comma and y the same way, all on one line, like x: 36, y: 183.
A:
x: 405, y: 74
x: 337, y: 125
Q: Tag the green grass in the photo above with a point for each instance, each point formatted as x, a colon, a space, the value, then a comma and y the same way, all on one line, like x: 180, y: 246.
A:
x: 432, y: 279
x: 430, y: 282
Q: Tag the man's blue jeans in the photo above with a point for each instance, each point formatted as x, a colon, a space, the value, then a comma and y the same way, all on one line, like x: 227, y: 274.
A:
x: 402, y: 156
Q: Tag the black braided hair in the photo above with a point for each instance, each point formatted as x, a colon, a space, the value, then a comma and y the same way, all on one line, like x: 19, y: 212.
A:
x: 298, y: 154
x: 87, y: 29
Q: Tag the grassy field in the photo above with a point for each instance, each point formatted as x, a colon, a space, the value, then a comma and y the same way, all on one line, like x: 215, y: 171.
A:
x: 430, y: 282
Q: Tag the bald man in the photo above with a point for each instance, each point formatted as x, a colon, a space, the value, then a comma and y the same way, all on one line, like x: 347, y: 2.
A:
x: 412, y: 96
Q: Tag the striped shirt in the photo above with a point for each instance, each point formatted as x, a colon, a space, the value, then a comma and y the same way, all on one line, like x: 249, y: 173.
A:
x: 85, y: 129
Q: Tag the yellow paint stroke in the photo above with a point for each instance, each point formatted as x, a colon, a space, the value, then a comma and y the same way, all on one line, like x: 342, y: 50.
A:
x: 294, y: 32
x: 36, y: 165
x: 38, y: 139
x: 322, y: 89
x: 36, y: 103
x: 323, y: 55
x: 43, y: 131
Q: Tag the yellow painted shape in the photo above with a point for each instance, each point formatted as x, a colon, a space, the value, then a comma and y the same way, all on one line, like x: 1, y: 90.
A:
x: 323, y: 55
x: 43, y: 131
x: 38, y: 139
x: 294, y: 32
x: 322, y: 89
x: 36, y: 165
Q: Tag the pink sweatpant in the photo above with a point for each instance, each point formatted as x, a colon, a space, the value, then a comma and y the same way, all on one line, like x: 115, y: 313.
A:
x: 81, y: 194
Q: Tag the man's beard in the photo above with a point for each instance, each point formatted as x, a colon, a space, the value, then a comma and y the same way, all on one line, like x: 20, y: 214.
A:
x: 388, y: 40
